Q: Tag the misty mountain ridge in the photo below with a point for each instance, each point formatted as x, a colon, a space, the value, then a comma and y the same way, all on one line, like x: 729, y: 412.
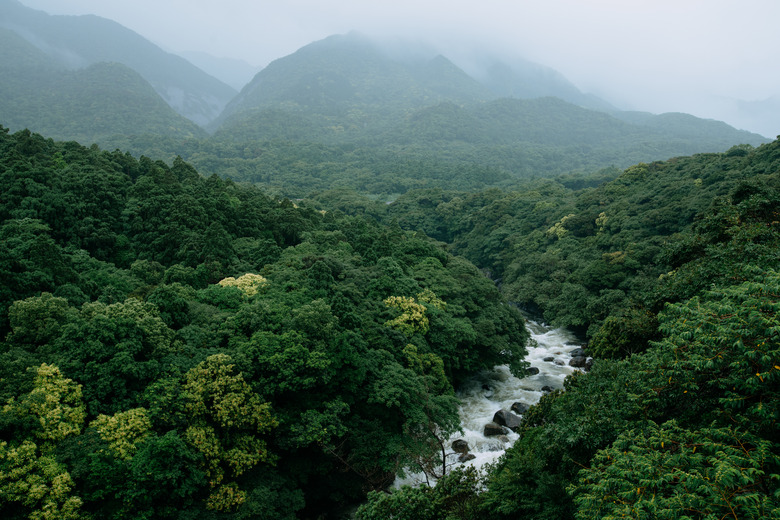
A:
x: 88, y: 104
x: 76, y: 42
x: 344, y: 89
x: 354, y: 70
x: 349, y: 89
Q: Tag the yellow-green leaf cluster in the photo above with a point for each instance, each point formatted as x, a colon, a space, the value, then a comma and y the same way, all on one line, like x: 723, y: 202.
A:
x: 36, y: 482
x: 123, y: 431
x: 227, y: 419
x: 56, y: 403
x: 558, y: 229
x: 412, y: 318
x: 249, y: 283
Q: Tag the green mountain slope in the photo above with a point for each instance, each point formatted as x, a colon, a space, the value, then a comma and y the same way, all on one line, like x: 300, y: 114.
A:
x: 522, y: 79
x: 79, y: 41
x: 88, y: 105
x: 350, y: 82
x: 346, y: 90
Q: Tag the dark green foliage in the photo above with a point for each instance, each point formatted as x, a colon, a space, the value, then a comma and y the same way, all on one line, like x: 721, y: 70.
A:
x: 454, y: 497
x: 231, y: 351
x: 672, y: 268
x: 669, y: 472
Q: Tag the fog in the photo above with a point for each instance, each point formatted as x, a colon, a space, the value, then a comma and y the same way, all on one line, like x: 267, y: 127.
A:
x: 712, y: 58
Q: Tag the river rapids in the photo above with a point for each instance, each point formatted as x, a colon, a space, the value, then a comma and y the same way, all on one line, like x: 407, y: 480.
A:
x: 491, y: 390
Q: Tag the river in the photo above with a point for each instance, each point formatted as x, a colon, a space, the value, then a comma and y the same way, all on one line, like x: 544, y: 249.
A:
x: 489, y: 391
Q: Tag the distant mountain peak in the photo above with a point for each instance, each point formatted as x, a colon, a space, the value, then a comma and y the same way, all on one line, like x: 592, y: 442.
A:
x: 79, y: 41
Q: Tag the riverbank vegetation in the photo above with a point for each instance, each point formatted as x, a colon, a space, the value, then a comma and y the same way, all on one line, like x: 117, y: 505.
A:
x: 671, y: 270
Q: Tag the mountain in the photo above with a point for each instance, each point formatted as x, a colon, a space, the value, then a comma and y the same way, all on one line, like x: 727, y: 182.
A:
x: 76, y: 42
x: 347, y: 88
x: 88, y: 105
x: 354, y: 84
x: 519, y: 78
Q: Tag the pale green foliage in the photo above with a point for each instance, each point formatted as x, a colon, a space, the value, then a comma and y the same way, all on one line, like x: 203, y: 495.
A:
x: 226, y: 421
x: 413, y: 319
x: 429, y: 297
x: 123, y: 431
x: 558, y: 229
x: 249, y: 283
x: 602, y: 220
x: 36, y: 482
x: 29, y: 474
x: 55, y: 402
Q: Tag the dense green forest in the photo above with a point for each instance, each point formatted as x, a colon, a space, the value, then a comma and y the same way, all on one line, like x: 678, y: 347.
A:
x: 181, y: 346
x: 176, y: 346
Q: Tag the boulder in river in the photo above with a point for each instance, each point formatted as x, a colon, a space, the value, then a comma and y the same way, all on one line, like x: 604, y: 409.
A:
x: 577, y: 352
x: 519, y: 408
x: 492, y: 429
x: 465, y: 457
x: 578, y: 362
x: 532, y: 371
x: 547, y: 389
x: 549, y: 359
x: 460, y: 446
x: 508, y: 419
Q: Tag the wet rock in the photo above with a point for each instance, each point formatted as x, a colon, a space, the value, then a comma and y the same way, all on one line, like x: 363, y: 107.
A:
x: 460, y: 446
x: 519, y: 408
x: 508, y: 419
x: 549, y: 358
x: 578, y: 362
x: 547, y: 389
x: 559, y: 362
x: 492, y: 429
x: 532, y: 371
x: 577, y: 352
x: 465, y: 457
x: 503, y: 438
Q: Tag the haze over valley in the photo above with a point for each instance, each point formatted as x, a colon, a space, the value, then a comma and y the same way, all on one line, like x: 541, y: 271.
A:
x: 709, y: 59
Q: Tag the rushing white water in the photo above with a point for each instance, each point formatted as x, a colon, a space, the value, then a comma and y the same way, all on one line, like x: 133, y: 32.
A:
x: 489, y: 391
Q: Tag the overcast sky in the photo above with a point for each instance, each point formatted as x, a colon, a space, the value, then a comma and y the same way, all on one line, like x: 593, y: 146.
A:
x: 654, y: 55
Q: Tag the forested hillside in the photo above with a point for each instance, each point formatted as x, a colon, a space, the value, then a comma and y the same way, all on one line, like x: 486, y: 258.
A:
x: 177, y: 346
x: 76, y: 42
x: 90, y: 104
